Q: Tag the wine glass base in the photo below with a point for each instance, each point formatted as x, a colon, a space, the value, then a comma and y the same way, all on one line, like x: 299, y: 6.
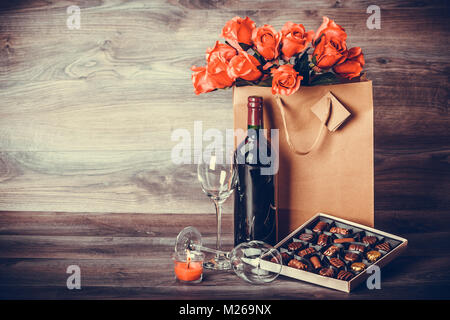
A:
x: 220, y: 264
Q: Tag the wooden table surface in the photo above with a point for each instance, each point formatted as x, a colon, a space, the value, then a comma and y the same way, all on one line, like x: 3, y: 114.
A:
x: 128, y: 256
x: 87, y: 115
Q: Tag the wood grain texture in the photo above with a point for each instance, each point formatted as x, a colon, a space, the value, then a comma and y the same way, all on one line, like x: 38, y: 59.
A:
x: 86, y: 115
x: 128, y: 256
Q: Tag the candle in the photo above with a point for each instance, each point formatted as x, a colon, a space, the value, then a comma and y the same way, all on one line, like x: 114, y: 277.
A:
x: 189, y: 266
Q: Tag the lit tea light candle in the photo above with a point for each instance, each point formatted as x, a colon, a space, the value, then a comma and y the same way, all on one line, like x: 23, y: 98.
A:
x: 189, y: 266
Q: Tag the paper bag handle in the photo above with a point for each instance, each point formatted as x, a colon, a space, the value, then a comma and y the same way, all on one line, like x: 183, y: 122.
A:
x: 286, y: 131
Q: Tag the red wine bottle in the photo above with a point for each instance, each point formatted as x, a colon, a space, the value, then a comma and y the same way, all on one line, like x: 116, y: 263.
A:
x: 254, y: 205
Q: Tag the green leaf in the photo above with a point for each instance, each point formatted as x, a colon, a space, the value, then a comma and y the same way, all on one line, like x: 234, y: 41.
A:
x: 266, y: 83
x: 242, y: 83
x: 325, y: 78
x: 260, y: 58
x: 302, y: 67
x: 244, y: 46
x: 314, y: 60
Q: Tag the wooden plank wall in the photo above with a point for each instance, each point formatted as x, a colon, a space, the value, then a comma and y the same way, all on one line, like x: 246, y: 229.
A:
x: 86, y: 115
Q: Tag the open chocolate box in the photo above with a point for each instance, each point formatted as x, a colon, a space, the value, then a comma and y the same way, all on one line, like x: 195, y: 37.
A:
x: 336, y: 253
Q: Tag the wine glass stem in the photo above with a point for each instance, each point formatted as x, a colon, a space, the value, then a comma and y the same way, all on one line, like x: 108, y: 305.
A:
x: 206, y: 249
x: 218, y: 206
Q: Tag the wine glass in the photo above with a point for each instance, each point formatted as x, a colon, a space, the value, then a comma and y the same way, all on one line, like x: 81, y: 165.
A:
x: 218, y: 179
x: 254, y: 261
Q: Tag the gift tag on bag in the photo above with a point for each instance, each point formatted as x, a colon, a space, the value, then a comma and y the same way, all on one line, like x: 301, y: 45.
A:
x: 330, y: 111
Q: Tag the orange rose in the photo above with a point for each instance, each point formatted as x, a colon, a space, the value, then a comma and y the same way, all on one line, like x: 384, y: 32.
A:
x: 330, y: 29
x: 286, y: 80
x: 217, y: 70
x: 294, y: 39
x: 222, y: 49
x: 213, y: 76
x: 238, y: 30
x: 330, y: 47
x: 353, y: 66
x: 329, y: 53
x: 244, y: 66
x: 267, y: 41
x: 201, y: 80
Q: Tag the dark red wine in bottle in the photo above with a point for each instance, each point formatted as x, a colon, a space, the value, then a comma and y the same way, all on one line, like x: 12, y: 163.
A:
x: 254, y: 205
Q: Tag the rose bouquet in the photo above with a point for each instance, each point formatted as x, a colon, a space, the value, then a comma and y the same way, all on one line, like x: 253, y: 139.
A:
x: 262, y: 56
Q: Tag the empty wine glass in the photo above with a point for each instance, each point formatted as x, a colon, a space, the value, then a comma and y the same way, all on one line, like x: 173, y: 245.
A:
x: 218, y: 179
x: 254, y: 261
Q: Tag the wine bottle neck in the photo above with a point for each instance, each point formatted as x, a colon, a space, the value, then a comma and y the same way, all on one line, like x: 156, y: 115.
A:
x: 255, y: 118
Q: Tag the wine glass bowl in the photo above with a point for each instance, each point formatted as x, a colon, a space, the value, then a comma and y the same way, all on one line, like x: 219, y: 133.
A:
x: 256, y: 262
x: 188, y: 239
x: 217, y: 179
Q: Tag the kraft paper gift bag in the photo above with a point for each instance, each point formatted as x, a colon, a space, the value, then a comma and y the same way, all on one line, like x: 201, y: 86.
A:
x: 325, y: 150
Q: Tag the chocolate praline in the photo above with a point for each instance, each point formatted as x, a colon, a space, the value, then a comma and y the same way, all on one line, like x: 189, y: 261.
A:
x: 344, y: 275
x: 357, y: 247
x: 370, y: 240
x: 342, y: 231
x: 306, y: 237
x: 336, y: 262
x: 373, y: 255
x: 344, y: 240
x: 294, y: 246
x: 294, y: 263
x: 358, y: 266
x: 385, y: 246
x: 326, y: 272
x: 323, y: 240
x: 285, y: 257
x: 307, y: 251
x: 320, y: 226
x: 331, y: 251
x: 351, y: 256
x: 315, y: 262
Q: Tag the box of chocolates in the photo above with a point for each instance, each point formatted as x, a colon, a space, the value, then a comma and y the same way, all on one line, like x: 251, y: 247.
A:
x: 336, y: 253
